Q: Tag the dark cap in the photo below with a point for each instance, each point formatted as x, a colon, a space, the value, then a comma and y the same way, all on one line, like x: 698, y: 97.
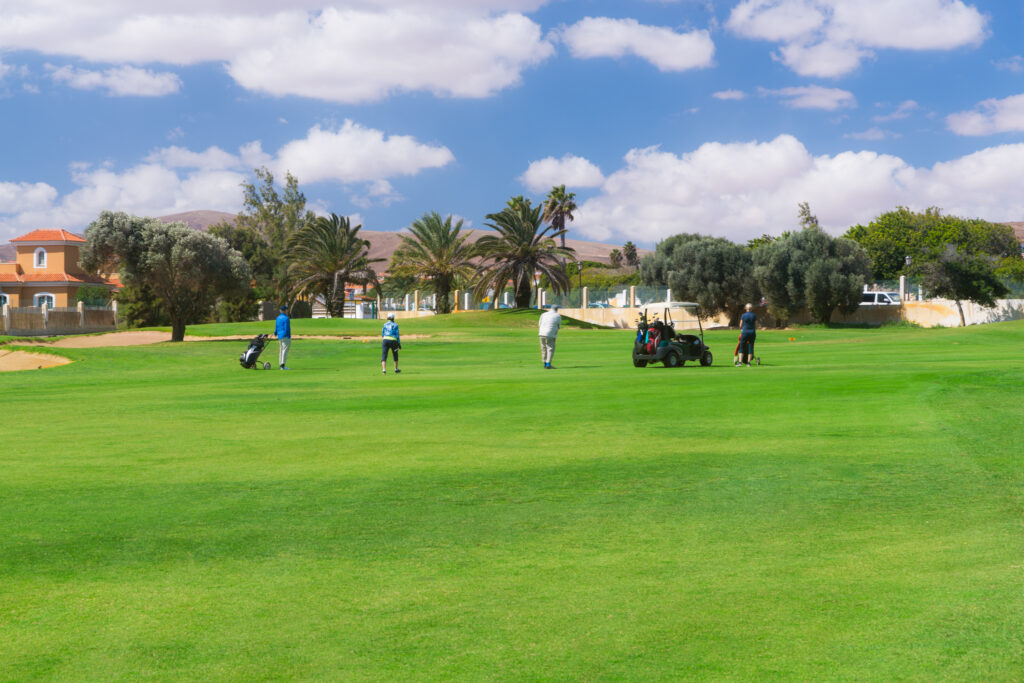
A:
x: 284, y: 308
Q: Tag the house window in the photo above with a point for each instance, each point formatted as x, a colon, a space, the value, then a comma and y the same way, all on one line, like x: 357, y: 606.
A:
x: 44, y: 298
x: 40, y: 258
x: 3, y: 299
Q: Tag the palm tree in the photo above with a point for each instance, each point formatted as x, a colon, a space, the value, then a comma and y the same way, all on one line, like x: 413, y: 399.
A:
x: 325, y: 254
x: 522, y: 247
x: 558, y: 208
x: 437, y: 253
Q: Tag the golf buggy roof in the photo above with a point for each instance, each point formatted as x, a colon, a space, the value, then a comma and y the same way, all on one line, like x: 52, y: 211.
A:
x: 675, y: 312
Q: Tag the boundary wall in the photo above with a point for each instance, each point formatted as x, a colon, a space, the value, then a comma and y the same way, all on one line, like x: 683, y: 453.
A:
x: 41, y: 321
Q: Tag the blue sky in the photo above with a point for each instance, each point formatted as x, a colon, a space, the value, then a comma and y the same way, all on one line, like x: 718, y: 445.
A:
x: 662, y: 116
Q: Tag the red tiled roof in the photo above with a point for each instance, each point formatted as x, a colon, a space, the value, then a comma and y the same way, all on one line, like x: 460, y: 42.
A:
x: 59, y: 235
x: 63, y: 277
x: 9, y: 277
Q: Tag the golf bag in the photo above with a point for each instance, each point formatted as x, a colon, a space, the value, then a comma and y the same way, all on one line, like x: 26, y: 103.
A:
x: 251, y: 355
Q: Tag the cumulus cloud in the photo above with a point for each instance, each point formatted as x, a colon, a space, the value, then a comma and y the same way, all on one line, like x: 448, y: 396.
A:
x: 361, y: 53
x: 829, y: 38
x: 1014, y: 64
x: 729, y: 95
x: 174, y: 179
x: 119, y: 81
x: 989, y: 117
x: 571, y: 171
x: 813, y: 97
x: 744, y: 189
x: 662, y: 47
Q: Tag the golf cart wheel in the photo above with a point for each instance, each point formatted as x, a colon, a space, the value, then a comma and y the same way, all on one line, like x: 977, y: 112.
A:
x: 266, y: 366
x: 637, y: 363
x: 706, y: 358
x: 672, y: 360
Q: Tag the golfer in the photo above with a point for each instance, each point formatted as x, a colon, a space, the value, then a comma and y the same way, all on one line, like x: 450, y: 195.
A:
x: 283, y: 330
x: 549, y: 324
x: 748, y: 333
x: 390, y: 339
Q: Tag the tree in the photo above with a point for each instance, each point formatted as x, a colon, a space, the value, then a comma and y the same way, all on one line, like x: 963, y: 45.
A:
x: 260, y: 257
x: 893, y: 236
x: 558, y: 208
x: 274, y: 217
x: 522, y: 247
x: 184, y: 268
x: 716, y: 274
x: 961, y: 276
x: 654, y: 268
x: 807, y: 219
x: 324, y: 255
x: 615, y: 258
x: 810, y: 268
x: 436, y: 253
x: 93, y: 295
x: 629, y: 253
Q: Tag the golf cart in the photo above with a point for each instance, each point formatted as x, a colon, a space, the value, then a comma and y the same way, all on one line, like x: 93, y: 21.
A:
x: 657, y: 340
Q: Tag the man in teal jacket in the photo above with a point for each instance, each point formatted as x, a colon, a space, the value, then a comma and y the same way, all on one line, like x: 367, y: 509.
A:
x: 283, y: 330
x: 390, y: 339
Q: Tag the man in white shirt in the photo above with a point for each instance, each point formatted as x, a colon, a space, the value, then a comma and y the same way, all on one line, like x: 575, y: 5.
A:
x: 549, y: 324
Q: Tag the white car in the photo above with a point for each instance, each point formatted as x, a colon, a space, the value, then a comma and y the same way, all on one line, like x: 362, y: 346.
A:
x: 880, y: 299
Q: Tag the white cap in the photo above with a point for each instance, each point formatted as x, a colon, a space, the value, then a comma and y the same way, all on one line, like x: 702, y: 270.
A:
x: 391, y: 316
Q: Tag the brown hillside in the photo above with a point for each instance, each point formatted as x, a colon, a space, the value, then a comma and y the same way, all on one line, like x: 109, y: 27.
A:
x: 7, y: 252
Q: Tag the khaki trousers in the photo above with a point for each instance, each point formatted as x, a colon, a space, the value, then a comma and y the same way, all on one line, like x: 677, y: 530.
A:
x: 547, y: 349
x: 282, y: 354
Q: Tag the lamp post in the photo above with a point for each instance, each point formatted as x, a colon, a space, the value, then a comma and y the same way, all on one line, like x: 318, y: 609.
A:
x: 579, y: 272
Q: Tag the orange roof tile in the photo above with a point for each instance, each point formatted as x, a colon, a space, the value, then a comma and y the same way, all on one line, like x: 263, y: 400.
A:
x: 9, y: 277
x: 59, y: 235
x: 63, y: 277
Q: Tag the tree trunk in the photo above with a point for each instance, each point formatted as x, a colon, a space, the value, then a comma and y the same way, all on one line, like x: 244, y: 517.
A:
x: 959, y: 307
x: 177, y: 329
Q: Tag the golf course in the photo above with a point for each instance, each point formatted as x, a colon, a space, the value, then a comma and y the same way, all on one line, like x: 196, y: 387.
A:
x: 851, y: 509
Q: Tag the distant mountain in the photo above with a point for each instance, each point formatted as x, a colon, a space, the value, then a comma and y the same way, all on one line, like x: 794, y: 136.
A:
x: 1018, y: 230
x: 384, y: 242
x: 7, y: 252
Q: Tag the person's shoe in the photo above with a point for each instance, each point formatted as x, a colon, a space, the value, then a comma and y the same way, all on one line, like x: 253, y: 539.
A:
x: 383, y: 372
x: 547, y: 366
x: 397, y: 371
x: 283, y: 367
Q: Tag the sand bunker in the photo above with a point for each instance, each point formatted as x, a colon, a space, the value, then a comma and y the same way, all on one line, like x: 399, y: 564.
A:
x: 25, y: 360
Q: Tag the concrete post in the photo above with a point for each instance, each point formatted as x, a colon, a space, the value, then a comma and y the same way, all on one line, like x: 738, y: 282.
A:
x: 465, y: 296
x: 632, y: 296
x: 7, y: 317
x: 259, y: 310
x: 380, y: 303
x: 46, y: 315
x: 117, y: 322
x: 668, y: 295
x: 456, y: 299
x: 416, y: 301
x: 504, y: 298
x: 81, y: 315
x: 405, y: 303
x: 585, y: 300
x: 903, y: 288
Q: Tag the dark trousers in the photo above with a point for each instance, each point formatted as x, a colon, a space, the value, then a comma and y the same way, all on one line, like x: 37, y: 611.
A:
x: 747, y: 346
x: 388, y: 344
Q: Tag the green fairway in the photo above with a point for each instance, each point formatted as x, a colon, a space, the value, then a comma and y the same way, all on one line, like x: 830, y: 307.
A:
x: 851, y: 509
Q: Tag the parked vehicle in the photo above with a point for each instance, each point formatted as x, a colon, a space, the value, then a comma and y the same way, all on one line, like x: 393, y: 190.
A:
x: 880, y: 299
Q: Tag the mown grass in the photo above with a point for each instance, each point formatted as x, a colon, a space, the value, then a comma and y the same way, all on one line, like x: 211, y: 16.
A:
x: 851, y: 509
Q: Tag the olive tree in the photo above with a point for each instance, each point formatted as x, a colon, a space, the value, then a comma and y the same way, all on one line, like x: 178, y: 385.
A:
x: 184, y: 268
x: 813, y: 269
x: 961, y: 276
x: 715, y: 273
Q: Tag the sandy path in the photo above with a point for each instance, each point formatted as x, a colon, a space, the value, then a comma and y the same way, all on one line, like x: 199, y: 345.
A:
x: 147, y: 337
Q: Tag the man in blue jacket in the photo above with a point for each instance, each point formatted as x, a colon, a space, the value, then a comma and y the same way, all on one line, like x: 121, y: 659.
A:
x: 748, y: 333
x: 390, y: 339
x: 283, y: 330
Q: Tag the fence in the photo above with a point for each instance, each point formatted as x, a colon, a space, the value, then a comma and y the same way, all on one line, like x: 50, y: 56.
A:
x: 37, y: 321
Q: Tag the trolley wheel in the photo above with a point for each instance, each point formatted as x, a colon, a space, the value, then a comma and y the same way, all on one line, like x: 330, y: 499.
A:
x: 266, y: 366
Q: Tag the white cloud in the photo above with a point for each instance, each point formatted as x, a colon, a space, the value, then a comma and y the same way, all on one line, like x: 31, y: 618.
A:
x: 662, y: 47
x: 4, y: 70
x: 729, y: 95
x: 571, y: 171
x: 829, y: 38
x: 989, y: 117
x: 174, y: 179
x: 362, y: 53
x: 1014, y: 64
x: 901, y: 112
x: 741, y: 190
x: 873, y: 134
x: 357, y: 154
x: 813, y: 97
x: 120, y: 81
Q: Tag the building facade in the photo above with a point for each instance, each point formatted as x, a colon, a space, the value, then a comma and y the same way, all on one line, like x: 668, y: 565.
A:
x: 46, y: 271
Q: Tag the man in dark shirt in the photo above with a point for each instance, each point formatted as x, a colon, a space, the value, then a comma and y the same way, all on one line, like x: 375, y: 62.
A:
x: 748, y: 333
